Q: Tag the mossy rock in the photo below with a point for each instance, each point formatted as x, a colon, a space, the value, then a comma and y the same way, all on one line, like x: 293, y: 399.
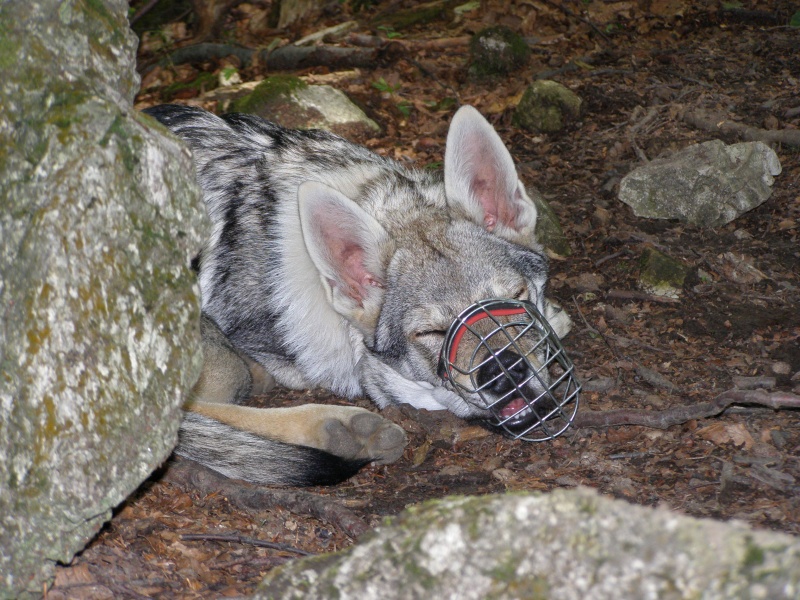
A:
x: 548, y: 228
x: 660, y: 274
x: 272, y: 89
x: 297, y: 105
x: 497, y: 51
x: 546, y: 107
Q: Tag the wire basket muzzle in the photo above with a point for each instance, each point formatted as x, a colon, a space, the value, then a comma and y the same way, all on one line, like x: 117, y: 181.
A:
x: 503, y: 357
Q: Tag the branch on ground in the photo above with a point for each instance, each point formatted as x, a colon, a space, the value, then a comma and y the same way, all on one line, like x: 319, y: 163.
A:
x: 719, y: 124
x: 677, y: 415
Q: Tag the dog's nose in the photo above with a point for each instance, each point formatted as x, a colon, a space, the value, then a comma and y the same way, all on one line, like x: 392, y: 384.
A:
x: 502, y: 372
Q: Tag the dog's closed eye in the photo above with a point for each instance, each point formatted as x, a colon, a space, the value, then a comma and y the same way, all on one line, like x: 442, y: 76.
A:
x: 428, y: 333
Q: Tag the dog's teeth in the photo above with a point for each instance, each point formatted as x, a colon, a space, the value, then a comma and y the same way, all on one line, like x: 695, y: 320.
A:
x: 513, y: 408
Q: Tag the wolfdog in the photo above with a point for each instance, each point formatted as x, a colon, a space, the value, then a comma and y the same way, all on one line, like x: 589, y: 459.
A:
x: 330, y: 266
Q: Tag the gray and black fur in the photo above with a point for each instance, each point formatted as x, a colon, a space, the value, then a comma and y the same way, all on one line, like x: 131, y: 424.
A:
x: 330, y: 266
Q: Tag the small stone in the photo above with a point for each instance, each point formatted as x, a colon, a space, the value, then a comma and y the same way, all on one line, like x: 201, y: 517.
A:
x: 546, y: 107
x: 599, y: 384
x: 660, y: 274
x: 781, y: 368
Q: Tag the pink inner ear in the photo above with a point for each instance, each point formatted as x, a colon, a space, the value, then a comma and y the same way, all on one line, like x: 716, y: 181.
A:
x: 346, y: 257
x: 354, y: 276
x: 497, y: 206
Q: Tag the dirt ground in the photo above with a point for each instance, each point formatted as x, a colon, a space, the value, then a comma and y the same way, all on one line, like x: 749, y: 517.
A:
x: 638, y: 66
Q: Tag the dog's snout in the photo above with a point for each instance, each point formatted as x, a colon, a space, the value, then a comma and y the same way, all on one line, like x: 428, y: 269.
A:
x: 502, y: 372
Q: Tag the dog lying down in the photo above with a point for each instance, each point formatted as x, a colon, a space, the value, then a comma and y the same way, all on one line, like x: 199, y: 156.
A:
x: 330, y: 266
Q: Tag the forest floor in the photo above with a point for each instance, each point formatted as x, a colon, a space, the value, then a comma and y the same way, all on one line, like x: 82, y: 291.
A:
x: 638, y: 66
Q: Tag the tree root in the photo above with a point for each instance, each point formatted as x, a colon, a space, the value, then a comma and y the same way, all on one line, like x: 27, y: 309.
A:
x: 663, y: 419
x: 719, y: 124
x: 189, y: 475
x: 286, y: 58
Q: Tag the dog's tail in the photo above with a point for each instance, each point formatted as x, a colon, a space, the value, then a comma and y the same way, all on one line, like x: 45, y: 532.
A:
x: 240, y: 454
x: 224, y: 436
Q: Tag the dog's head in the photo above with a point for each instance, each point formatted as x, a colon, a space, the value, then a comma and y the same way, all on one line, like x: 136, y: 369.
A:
x: 406, y: 257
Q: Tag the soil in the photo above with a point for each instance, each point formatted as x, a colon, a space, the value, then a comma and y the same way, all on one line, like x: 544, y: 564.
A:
x: 738, y: 316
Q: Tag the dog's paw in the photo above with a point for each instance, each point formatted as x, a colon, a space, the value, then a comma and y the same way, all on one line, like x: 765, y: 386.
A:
x: 365, y: 435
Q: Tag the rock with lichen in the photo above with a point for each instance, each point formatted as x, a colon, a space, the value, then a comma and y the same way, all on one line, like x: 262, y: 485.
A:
x: 565, y: 545
x: 708, y: 184
x: 98, y: 311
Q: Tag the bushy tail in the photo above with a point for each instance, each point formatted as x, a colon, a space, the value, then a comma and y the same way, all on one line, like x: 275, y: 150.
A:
x: 242, y: 455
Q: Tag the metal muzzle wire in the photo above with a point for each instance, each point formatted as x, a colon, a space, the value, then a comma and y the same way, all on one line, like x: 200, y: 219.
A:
x: 502, y: 356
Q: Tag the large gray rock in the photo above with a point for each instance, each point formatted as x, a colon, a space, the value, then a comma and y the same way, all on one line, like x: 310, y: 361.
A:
x: 566, y: 545
x: 99, y: 216
x: 707, y: 184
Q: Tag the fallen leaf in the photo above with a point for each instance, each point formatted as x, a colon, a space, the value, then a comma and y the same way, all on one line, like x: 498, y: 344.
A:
x: 725, y: 433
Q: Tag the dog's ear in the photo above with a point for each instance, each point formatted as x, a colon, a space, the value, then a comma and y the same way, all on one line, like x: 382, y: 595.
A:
x: 479, y: 173
x: 344, y: 242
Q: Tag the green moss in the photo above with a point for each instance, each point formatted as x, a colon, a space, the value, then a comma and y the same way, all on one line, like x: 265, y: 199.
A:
x: 100, y: 10
x: 661, y: 274
x: 505, y: 570
x: 202, y: 83
x: 546, y: 106
x: 754, y: 555
x: 530, y: 588
x: 10, y: 48
x: 269, y: 90
x: 127, y: 143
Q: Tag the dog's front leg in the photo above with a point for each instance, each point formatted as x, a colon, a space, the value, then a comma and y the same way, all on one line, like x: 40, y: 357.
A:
x: 386, y: 386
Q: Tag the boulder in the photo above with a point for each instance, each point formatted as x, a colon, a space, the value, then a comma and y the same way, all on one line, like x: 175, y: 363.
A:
x: 708, y: 184
x: 565, y: 545
x: 99, y: 217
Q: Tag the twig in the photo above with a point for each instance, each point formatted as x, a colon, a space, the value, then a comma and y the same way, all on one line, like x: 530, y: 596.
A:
x: 639, y: 122
x: 188, y: 474
x: 605, y: 259
x: 375, y: 41
x: 663, y: 419
x: 143, y: 11
x: 266, y: 561
x: 241, y: 539
x: 331, y: 33
x: 636, y: 295
x: 719, y: 124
